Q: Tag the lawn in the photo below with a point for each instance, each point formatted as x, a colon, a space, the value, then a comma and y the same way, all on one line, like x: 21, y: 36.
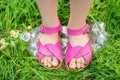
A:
x: 17, y: 63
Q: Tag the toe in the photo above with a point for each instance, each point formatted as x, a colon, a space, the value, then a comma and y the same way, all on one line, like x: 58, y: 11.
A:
x: 45, y: 61
x: 82, y: 62
x: 72, y: 63
x: 79, y: 62
x: 49, y: 60
x: 54, y: 61
x: 42, y: 60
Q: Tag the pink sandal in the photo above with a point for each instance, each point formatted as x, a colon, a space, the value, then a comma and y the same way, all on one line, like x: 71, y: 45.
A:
x: 79, y: 51
x: 50, y: 49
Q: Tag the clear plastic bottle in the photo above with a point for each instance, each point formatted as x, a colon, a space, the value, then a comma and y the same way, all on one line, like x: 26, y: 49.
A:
x: 98, y: 36
x: 31, y: 38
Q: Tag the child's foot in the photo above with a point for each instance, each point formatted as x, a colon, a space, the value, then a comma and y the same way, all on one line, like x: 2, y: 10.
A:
x: 78, y: 40
x: 49, y: 61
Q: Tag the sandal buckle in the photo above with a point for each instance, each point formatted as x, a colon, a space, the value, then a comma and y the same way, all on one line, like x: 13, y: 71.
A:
x: 83, y: 30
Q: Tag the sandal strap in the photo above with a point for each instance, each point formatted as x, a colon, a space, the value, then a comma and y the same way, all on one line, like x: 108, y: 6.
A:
x: 47, y: 30
x: 50, y: 50
x: 79, y: 51
x: 84, y: 30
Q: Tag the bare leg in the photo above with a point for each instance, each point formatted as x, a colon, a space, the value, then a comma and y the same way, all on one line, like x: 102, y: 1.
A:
x: 48, y: 10
x: 78, y: 14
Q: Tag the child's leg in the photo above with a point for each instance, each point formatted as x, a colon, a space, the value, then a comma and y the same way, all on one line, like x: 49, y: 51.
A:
x: 48, y: 10
x: 78, y: 14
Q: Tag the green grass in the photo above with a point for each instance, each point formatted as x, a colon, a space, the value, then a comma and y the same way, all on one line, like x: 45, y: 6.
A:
x: 16, y: 63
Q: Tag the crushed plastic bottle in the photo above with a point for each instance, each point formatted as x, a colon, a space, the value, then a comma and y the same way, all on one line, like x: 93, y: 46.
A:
x: 98, y: 36
x: 31, y: 38
x: 25, y: 36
